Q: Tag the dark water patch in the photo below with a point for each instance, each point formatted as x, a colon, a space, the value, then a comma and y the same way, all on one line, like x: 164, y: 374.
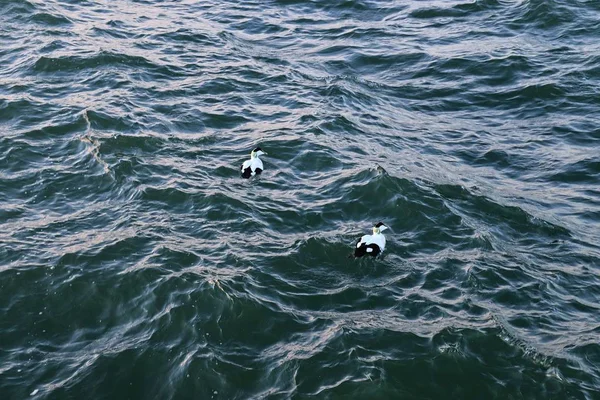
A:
x: 116, y: 248
x: 498, y: 158
x: 356, y: 33
x: 53, y: 46
x: 437, y: 12
x: 113, y: 33
x: 101, y: 121
x: 532, y: 99
x: 50, y: 19
x: 311, y: 161
x: 15, y: 111
x: 542, y: 15
x: 19, y: 156
x: 580, y: 132
x: 77, y: 124
x: 8, y: 214
x: 20, y: 8
x: 376, y: 63
x: 186, y: 35
x: 103, y: 59
x: 494, y: 213
x: 505, y: 70
x: 480, y: 5
x: 226, y: 120
x: 256, y: 26
x: 585, y: 171
x: 138, y: 144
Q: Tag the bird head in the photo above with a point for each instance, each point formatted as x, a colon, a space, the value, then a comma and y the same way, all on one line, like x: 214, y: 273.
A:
x: 257, y: 152
x: 379, y: 227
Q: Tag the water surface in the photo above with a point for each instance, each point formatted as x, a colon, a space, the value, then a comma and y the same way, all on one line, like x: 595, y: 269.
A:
x: 135, y: 263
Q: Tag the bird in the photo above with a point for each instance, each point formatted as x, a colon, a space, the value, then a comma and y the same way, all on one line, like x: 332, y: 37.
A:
x: 254, y: 165
x: 371, y: 244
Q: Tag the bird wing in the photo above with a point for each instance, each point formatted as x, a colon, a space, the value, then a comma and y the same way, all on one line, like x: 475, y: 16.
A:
x: 363, y: 240
x: 257, y: 164
x: 379, y: 240
x: 246, y: 164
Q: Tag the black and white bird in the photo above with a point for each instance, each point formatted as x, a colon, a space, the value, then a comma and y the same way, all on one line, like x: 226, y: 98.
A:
x: 254, y: 165
x: 371, y: 244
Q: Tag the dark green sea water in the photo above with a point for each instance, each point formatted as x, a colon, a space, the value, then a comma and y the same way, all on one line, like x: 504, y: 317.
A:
x: 135, y: 263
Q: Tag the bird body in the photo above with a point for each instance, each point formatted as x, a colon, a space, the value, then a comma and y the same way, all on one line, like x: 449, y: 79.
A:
x: 373, y: 244
x: 254, y: 165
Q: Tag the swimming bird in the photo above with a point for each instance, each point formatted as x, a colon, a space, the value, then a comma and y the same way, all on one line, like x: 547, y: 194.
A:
x: 254, y: 165
x: 371, y: 244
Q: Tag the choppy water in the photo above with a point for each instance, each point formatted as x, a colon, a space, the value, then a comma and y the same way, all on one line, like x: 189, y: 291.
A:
x: 136, y: 264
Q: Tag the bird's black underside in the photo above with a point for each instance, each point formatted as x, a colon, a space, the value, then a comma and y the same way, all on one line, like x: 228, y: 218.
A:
x: 247, y: 173
x: 362, y: 250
